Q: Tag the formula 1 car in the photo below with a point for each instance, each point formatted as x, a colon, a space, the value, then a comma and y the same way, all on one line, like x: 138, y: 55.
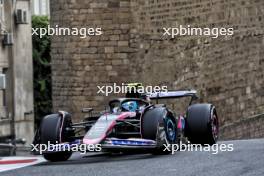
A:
x: 132, y: 123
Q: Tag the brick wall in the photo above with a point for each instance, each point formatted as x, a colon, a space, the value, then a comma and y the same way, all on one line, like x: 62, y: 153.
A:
x: 227, y: 71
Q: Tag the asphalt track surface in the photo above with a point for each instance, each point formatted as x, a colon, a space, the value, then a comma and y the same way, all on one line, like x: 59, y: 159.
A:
x: 247, y: 159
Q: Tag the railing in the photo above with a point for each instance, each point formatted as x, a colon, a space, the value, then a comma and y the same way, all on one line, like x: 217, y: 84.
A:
x: 7, y: 149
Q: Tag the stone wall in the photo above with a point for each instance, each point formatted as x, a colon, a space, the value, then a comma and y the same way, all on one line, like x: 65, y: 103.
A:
x: 80, y: 65
x: 227, y: 71
x: 250, y: 127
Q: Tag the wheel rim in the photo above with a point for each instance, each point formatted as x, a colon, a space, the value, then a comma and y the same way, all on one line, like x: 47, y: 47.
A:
x: 215, y: 126
x: 170, y: 130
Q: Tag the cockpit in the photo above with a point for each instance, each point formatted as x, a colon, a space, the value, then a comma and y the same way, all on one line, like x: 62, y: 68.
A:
x: 127, y: 105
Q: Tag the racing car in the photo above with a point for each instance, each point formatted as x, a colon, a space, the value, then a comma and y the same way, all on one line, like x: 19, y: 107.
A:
x: 133, y: 123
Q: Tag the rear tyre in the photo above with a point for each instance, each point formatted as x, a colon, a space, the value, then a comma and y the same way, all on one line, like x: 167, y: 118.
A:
x: 202, y: 124
x: 53, y: 131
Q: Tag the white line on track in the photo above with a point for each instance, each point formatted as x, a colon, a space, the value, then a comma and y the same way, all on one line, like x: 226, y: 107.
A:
x: 11, y: 163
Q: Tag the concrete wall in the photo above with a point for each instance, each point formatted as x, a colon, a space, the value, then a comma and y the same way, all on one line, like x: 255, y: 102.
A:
x: 17, y: 61
x: 5, y: 54
x: 227, y: 71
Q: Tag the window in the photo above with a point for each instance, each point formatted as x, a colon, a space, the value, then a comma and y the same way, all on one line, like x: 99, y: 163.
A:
x: 5, y: 70
x: 2, y: 11
x: 3, y: 97
x: 41, y: 7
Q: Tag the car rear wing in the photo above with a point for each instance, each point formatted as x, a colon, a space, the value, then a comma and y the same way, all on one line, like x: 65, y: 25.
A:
x: 174, y: 95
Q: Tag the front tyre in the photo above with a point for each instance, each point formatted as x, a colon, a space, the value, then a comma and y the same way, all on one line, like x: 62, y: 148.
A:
x: 58, y: 156
x: 53, y: 131
x: 159, y: 125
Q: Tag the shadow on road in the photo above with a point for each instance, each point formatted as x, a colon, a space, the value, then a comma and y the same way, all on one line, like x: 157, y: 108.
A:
x: 102, y: 158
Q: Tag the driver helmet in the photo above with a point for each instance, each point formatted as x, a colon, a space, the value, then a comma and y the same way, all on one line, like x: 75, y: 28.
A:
x: 130, y: 106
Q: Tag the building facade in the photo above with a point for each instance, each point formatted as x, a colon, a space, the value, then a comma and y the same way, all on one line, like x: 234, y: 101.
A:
x: 16, y: 75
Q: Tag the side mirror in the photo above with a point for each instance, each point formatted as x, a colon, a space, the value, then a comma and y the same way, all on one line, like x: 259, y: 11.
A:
x: 194, y: 97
